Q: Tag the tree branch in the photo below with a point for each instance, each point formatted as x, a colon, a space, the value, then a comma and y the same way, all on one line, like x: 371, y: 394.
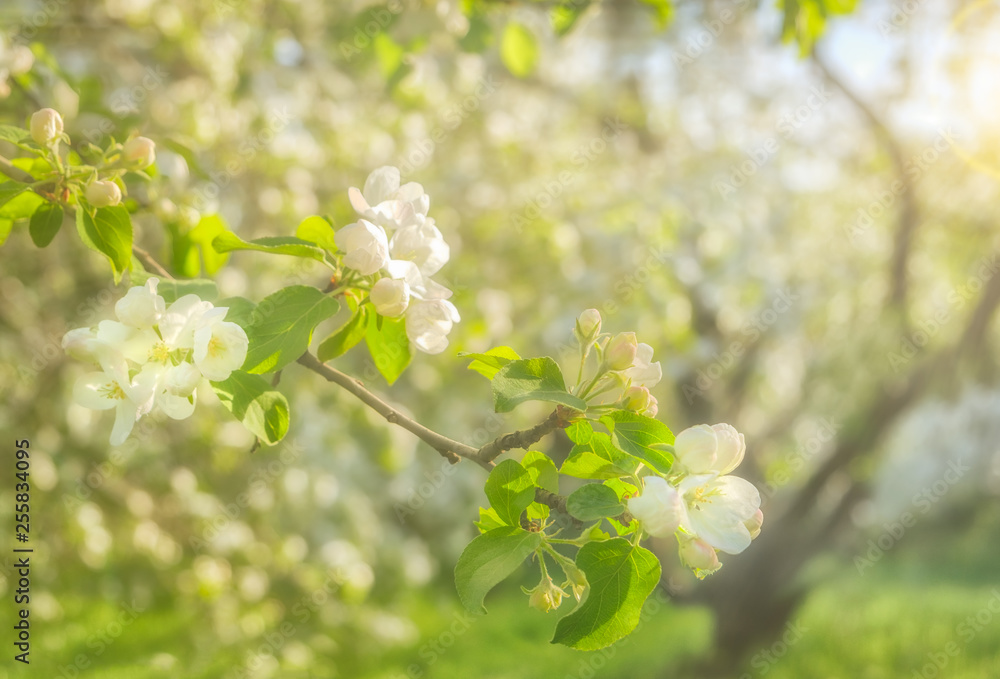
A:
x: 524, y: 438
x: 908, y: 219
x: 449, y: 448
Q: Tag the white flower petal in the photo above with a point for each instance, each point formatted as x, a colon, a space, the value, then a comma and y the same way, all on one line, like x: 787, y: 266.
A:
x: 732, y: 448
x: 381, y: 184
x: 695, y: 448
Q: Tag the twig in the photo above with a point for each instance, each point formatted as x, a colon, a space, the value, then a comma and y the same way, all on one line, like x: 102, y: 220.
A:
x: 524, y: 438
x: 449, y: 448
x: 150, y: 263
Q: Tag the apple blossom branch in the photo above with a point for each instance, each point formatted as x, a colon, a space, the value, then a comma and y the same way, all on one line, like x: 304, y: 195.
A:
x: 523, y: 439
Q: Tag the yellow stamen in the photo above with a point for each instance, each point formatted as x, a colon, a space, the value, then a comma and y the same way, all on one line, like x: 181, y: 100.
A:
x: 113, y: 391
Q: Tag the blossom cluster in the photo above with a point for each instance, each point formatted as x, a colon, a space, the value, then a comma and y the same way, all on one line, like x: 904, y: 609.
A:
x: 626, y: 364
x: 154, y: 355
x: 707, y: 508
x: 46, y: 128
x: 396, y: 240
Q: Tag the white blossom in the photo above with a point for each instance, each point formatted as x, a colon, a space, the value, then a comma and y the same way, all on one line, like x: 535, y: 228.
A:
x: 421, y: 244
x: 428, y: 323
x: 141, y: 307
x: 220, y: 346
x: 365, y: 245
x: 113, y: 389
x: 644, y: 372
x: 659, y: 507
x: 390, y: 297
x: 384, y: 202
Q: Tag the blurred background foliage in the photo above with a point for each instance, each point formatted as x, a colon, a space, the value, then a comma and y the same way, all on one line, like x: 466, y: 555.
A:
x: 802, y: 234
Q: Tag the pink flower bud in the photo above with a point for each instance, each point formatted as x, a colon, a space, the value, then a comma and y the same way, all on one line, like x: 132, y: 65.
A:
x: 621, y: 350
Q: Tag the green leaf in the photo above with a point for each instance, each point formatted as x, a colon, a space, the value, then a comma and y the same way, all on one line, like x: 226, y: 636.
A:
x: 17, y: 202
x: 489, y: 363
x: 275, y: 245
x: 317, y: 230
x: 638, y: 435
x: 542, y: 470
x: 621, y: 489
x: 240, y: 310
x: 531, y: 379
x: 621, y: 577
x: 45, y: 224
x: 388, y: 345
x: 598, y: 458
x: 109, y: 232
x: 488, y: 520
x: 593, y: 501
x: 510, y: 490
x: 14, y: 135
x: 388, y: 53
x: 252, y: 401
x: 580, y: 431
x: 281, y: 326
x: 488, y: 560
x: 350, y: 334
x: 518, y: 49
x: 203, y: 235
x: 173, y: 289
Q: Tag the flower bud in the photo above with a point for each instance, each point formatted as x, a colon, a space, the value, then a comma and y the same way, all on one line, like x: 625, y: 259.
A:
x: 139, y: 153
x: 103, y: 193
x: 699, y: 556
x: 546, y: 596
x: 653, y: 407
x: 576, y: 579
x: 588, y: 326
x: 390, y: 297
x: 620, y: 352
x: 46, y: 126
x: 637, y: 399
x: 754, y: 524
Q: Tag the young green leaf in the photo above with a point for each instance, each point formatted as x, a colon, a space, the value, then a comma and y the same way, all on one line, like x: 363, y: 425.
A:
x: 172, y: 290
x: 45, y: 224
x: 252, y: 401
x: 202, y: 235
x: 316, y: 230
x: 637, y: 435
x: 542, y: 470
x: 350, y: 334
x: 598, y: 459
x: 9, y: 191
x: 593, y: 501
x: 388, y: 345
x: 621, y: 577
x: 489, y: 363
x: 488, y: 520
x: 281, y: 326
x: 13, y: 134
x: 510, y: 490
x: 240, y: 310
x: 275, y: 245
x: 17, y: 203
x: 109, y: 232
x: 488, y: 560
x: 531, y: 379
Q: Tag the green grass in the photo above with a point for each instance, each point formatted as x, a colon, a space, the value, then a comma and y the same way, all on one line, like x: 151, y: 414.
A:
x: 892, y: 623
